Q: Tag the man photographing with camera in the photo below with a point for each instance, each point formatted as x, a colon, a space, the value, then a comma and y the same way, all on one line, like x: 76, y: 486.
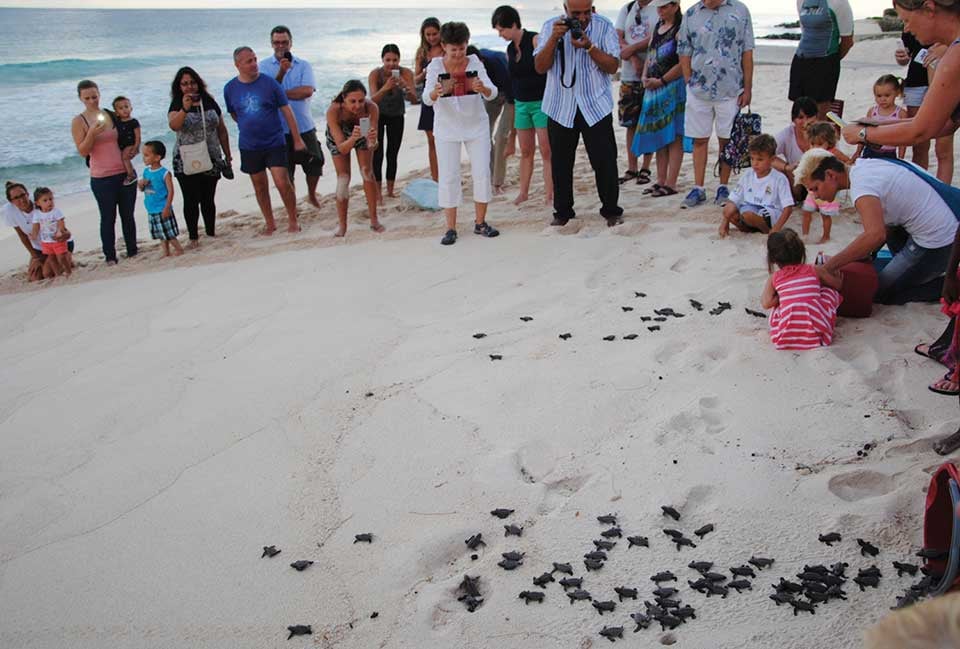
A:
x: 578, y: 57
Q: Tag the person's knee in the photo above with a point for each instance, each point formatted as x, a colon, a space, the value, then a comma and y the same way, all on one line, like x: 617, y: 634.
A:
x: 343, y: 187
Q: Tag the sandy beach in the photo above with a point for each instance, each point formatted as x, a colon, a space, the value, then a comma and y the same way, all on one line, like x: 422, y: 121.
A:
x: 163, y: 420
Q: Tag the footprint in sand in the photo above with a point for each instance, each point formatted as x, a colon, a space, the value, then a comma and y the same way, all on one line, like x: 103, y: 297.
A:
x: 860, y: 485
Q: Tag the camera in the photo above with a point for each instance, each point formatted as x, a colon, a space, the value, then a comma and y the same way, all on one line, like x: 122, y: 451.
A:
x: 288, y: 56
x: 576, y: 29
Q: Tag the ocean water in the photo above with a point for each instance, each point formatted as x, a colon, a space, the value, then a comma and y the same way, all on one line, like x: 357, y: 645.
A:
x: 135, y: 53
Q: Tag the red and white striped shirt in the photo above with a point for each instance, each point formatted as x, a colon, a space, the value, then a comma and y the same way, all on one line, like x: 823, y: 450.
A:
x: 807, y: 312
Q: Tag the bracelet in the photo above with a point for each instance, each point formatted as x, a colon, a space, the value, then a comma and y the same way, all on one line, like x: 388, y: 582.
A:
x: 589, y: 49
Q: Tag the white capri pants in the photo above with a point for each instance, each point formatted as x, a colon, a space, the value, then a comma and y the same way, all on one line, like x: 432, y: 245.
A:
x: 448, y: 160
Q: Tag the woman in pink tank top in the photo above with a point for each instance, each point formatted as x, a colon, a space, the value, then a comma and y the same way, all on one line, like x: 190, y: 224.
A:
x: 95, y: 136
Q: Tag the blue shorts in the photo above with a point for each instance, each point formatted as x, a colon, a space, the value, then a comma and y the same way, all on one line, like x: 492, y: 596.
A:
x: 253, y: 162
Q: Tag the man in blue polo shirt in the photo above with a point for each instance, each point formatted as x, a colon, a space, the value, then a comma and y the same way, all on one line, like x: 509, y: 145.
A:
x: 295, y: 76
x: 255, y: 102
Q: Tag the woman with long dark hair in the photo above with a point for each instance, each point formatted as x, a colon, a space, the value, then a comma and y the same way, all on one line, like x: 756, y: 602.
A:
x: 430, y: 48
x: 193, y: 114
x: 390, y: 85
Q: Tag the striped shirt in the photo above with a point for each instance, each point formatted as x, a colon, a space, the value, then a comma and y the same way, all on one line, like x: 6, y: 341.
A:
x: 807, y: 312
x: 591, y: 93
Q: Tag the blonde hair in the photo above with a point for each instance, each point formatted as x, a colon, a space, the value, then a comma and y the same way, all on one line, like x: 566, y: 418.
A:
x: 822, y: 132
x: 933, y: 624
x: 809, y: 163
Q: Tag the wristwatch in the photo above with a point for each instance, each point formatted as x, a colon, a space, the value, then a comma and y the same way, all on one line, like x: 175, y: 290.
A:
x: 862, y: 135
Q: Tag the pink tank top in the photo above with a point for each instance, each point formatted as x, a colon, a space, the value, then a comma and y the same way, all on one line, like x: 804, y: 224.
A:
x: 105, y: 160
x: 895, y: 116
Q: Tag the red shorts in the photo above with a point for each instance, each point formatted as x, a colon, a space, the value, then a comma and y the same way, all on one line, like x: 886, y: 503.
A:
x: 55, y: 248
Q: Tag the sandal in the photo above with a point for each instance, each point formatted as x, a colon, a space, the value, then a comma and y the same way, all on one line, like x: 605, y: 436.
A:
x: 650, y: 190
x: 663, y: 190
x: 629, y: 175
x: 916, y: 350
x: 947, y: 378
x: 643, y: 177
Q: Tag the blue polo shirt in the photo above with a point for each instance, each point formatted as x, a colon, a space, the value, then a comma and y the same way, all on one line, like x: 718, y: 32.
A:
x: 299, y: 74
x: 256, y: 106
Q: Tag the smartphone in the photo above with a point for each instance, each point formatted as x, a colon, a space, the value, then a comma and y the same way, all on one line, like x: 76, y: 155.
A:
x: 836, y: 119
x: 101, y: 117
x: 364, y: 126
x: 395, y: 74
x: 288, y: 56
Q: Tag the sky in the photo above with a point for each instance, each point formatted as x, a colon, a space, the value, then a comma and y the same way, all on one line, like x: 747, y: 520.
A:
x: 861, y: 8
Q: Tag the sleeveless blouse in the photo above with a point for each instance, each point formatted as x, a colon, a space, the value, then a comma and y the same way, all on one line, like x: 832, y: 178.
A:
x: 391, y: 105
x: 528, y: 84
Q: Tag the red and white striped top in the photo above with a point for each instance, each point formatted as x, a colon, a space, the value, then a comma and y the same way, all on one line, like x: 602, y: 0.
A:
x: 807, y: 312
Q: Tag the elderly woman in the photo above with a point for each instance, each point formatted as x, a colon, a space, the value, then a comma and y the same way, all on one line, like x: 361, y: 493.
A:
x: 826, y: 35
x: 16, y: 214
x: 194, y: 115
x: 95, y: 136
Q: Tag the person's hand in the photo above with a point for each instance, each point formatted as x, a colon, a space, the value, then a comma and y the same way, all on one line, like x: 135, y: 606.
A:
x: 559, y: 29
x: 355, y: 134
x: 98, y: 127
x: 902, y: 56
x: 285, y: 65
x: 187, y: 102
x: 477, y: 86
x: 510, y: 149
x: 851, y: 133
x: 583, y: 43
x: 298, y: 144
x: 389, y: 84
x: 934, y: 54
x: 142, y: 184
x: 166, y: 213
x: 438, y: 91
x: 951, y: 288
x: 371, y: 137
x: 745, y: 98
x: 824, y: 274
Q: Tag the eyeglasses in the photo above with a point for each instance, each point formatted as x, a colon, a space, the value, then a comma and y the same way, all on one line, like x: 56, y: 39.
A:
x: 19, y: 197
x: 279, y: 43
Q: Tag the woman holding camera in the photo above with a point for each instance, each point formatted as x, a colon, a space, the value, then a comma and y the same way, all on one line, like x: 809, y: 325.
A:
x: 352, y: 121
x: 458, y: 85
x: 192, y: 112
x: 390, y: 85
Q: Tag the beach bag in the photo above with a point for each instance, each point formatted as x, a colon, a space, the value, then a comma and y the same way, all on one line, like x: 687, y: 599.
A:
x: 196, y: 157
x: 422, y: 193
x: 745, y: 126
x: 941, y: 528
x: 860, y: 283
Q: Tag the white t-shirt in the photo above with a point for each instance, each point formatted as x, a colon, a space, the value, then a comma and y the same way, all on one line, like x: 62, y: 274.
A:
x: 634, y: 33
x: 48, y: 223
x: 787, y: 147
x: 17, y: 219
x: 908, y: 201
x: 772, y: 191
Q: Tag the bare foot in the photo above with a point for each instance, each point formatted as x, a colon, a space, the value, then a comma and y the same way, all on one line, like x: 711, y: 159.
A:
x: 340, y: 232
x: 945, y: 386
x: 521, y: 198
x: 498, y: 190
x: 948, y: 445
x: 391, y: 194
x: 266, y: 231
x: 293, y: 227
x: 193, y: 243
x: 548, y: 199
x: 376, y: 227
x: 823, y: 240
x: 177, y: 253
x: 312, y: 199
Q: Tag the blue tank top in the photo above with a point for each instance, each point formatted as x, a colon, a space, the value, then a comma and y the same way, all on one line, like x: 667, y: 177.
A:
x: 155, y: 195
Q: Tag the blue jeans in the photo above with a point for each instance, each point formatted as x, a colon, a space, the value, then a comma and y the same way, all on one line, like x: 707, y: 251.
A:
x: 112, y: 195
x: 915, y: 274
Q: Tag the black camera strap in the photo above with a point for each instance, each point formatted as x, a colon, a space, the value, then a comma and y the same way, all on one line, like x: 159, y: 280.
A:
x: 563, y: 64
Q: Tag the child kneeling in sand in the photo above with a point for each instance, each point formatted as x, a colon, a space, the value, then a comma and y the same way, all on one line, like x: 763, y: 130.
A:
x: 804, y: 312
x: 50, y: 228
x: 157, y: 188
x: 762, y: 201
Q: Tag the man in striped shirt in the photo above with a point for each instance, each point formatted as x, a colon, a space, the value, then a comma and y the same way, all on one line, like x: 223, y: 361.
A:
x: 579, y: 100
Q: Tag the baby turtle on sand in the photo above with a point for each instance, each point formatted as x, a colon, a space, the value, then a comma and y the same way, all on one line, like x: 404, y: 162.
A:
x: 760, y: 562
x: 800, y: 605
x: 740, y: 585
x: 908, y: 568
x: 502, y: 513
x: 299, y: 629
x: 660, y: 318
x: 496, y: 357
x: 872, y: 571
x: 631, y: 337
x: 814, y: 587
x: 639, y: 294
x: 788, y: 586
x: 607, y: 519
x: 596, y: 555
x: 667, y: 603
x: 666, y: 575
x: 508, y: 564
x: 670, y: 511
x: 839, y: 569
x: 932, y: 554
x: 270, y: 551
x: 565, y: 568
x: 817, y: 598
x: 835, y: 592
x: 571, y: 582
x: 526, y: 318
x: 603, y: 607
x: 673, y: 533
x: 475, y: 541
x: 593, y: 564
x: 611, y: 633
x: 623, y: 591
x: 714, y: 576
x: 470, y: 585
x: 301, y: 565
x: 366, y: 537
x: 643, y: 621
x: 640, y: 541
x: 830, y: 538
x: 566, y: 336
x: 685, y: 613
x: 512, y: 530
x: 866, y: 547
x: 654, y: 328
x: 609, y: 338
x: 700, y: 566
x: 543, y: 580
x: 478, y: 336
x: 696, y: 305
x: 743, y: 571
x: 613, y: 532
x: 668, y: 622
x: 717, y: 589
x: 866, y: 580
x: 782, y: 598
x: 684, y: 541
x: 578, y: 595
x: 756, y: 314
x: 627, y: 309
x: 531, y: 596
x: 703, y: 531
x: 604, y: 545
x: 472, y: 603
x: 513, y: 556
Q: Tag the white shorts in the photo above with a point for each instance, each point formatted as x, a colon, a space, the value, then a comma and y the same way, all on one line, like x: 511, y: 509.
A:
x: 913, y: 97
x: 701, y: 114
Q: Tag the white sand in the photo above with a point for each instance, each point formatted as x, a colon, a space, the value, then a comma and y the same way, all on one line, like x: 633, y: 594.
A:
x: 161, y: 424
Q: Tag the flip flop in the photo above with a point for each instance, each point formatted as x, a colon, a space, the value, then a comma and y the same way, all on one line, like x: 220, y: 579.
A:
x: 948, y: 377
x: 916, y: 350
x: 628, y: 175
x: 663, y: 190
x: 650, y: 190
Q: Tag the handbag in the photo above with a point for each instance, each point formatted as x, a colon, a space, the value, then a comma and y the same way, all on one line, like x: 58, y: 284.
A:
x: 735, y: 153
x: 196, y: 157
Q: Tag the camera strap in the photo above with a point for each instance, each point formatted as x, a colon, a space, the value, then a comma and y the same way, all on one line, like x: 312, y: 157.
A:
x: 563, y: 65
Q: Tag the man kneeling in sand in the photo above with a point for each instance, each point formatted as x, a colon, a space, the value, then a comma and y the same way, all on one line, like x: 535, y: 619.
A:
x: 255, y: 102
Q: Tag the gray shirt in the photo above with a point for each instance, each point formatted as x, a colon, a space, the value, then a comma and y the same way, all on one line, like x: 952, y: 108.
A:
x: 715, y: 40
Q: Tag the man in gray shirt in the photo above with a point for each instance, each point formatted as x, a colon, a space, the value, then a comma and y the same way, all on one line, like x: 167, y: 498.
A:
x: 715, y: 44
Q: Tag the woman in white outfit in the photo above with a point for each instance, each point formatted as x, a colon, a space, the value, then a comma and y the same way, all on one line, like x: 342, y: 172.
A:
x: 460, y: 119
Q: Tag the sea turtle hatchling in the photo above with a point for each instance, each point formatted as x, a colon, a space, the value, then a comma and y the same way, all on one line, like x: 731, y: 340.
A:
x: 512, y: 530
x: 703, y: 531
x: 642, y: 620
x: 543, y: 580
x: 605, y: 607
x: 365, y: 537
x: 596, y: 555
x: 666, y: 575
x: 623, y: 591
x: 867, y: 548
x: 299, y: 629
x: 908, y: 568
x: 270, y: 551
x: 611, y: 633
x: 601, y: 544
x: 579, y: 595
x: 740, y: 585
x: 670, y: 511
x: 502, y: 513
x: 760, y: 562
x: 800, y: 605
x: 565, y: 568
x: 531, y: 596
x: 743, y: 571
x: 830, y: 538
x: 607, y: 519
x: 301, y: 565
x: 475, y: 541
x: 592, y: 564
x: 508, y: 564
x: 638, y: 541
x: 665, y: 591
x: 700, y: 566
x: 571, y: 582
x: 613, y: 532
x: 513, y: 556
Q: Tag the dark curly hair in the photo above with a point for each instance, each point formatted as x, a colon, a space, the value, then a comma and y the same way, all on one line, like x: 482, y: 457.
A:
x: 177, y: 95
x: 785, y: 248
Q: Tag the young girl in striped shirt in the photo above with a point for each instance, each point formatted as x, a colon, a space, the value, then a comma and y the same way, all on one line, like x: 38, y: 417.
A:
x: 804, y: 312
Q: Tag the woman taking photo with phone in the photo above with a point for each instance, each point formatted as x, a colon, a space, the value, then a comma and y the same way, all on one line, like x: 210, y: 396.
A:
x: 429, y: 49
x: 352, y: 126
x: 95, y: 136
x: 194, y: 115
x: 390, y: 85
